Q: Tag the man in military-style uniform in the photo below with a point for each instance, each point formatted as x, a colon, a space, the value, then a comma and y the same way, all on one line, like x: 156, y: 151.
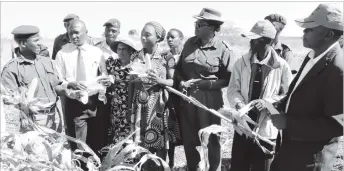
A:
x: 63, y: 39
x: 27, y: 65
x: 43, y: 51
x: 112, y: 30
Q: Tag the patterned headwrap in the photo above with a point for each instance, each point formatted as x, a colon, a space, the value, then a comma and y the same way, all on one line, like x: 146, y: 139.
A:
x: 159, y: 29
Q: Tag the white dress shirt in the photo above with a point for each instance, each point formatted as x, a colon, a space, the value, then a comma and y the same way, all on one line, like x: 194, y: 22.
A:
x: 313, y: 60
x: 66, y: 62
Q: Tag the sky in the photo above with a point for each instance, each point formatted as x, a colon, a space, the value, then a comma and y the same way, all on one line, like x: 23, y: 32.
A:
x: 48, y: 16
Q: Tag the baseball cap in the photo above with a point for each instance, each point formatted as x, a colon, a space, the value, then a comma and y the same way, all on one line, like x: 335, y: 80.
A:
x: 327, y: 15
x: 263, y: 28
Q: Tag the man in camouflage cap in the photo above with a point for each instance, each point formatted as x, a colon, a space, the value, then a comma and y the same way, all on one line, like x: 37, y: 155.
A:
x: 282, y: 49
x: 112, y: 30
x: 63, y: 39
x: 27, y: 65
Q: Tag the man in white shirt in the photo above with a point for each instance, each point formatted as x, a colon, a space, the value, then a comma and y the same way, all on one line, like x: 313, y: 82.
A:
x: 77, y: 62
x: 112, y: 30
x: 314, y: 102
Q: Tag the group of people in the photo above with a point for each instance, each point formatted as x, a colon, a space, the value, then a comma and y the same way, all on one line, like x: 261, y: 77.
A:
x: 306, y: 131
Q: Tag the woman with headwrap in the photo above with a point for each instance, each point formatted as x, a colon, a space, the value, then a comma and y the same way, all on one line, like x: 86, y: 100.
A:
x: 149, y: 101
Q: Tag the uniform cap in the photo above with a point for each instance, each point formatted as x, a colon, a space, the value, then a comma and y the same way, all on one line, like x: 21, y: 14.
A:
x: 70, y: 17
x: 113, y: 22
x: 25, y: 31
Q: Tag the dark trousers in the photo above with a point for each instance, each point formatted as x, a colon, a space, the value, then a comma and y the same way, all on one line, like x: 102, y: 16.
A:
x: 247, y: 156
x: 86, y: 122
x: 190, y: 128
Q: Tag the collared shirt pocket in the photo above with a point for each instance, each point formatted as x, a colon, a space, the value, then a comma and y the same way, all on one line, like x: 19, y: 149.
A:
x: 213, y: 64
x: 95, y: 64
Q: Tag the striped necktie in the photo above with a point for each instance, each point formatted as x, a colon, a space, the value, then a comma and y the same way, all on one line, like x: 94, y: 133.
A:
x: 80, y: 68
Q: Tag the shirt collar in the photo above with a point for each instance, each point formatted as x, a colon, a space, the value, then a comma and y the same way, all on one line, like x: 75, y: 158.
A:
x: 105, y: 45
x: 82, y: 47
x: 271, y: 61
x: 264, y: 61
x: 316, y: 58
x: 21, y: 59
x: 210, y: 44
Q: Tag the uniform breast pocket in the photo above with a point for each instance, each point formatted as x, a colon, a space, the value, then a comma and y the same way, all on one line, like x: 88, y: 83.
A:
x: 213, y: 64
x: 51, y: 75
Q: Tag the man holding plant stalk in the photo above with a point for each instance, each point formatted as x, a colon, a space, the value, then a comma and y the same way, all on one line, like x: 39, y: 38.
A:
x: 259, y: 76
x: 27, y: 65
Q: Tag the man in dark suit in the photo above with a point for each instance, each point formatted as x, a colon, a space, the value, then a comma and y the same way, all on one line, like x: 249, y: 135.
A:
x: 314, y: 102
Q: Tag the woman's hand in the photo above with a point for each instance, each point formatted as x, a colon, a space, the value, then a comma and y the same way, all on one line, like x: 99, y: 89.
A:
x: 154, y: 77
x: 189, y: 83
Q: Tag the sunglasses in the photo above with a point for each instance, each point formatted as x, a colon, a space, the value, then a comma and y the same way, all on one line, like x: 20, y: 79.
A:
x: 200, y: 25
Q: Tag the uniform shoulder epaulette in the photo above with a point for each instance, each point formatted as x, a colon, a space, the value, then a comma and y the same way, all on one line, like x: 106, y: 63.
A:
x: 98, y: 43
x: 9, y: 63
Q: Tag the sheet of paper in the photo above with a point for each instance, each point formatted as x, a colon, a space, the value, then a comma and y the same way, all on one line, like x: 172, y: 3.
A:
x: 271, y: 108
x: 339, y: 118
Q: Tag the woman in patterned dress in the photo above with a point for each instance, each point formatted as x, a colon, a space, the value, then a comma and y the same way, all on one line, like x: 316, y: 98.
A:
x: 119, y: 100
x: 150, y: 97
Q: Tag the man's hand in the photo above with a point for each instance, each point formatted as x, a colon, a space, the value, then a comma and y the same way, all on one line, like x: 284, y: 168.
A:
x: 279, y: 120
x: 259, y: 104
x: 74, y: 85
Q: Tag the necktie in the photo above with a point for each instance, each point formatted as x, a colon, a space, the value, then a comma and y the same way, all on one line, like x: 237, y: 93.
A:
x: 256, y: 90
x: 80, y: 68
x: 293, y: 83
x: 257, y: 83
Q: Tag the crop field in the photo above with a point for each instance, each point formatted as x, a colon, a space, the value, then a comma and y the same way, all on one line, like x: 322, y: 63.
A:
x: 294, y: 43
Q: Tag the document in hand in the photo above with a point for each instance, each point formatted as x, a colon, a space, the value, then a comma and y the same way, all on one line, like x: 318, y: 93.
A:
x: 140, y: 69
x: 93, y: 87
x: 271, y: 109
x: 339, y: 118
